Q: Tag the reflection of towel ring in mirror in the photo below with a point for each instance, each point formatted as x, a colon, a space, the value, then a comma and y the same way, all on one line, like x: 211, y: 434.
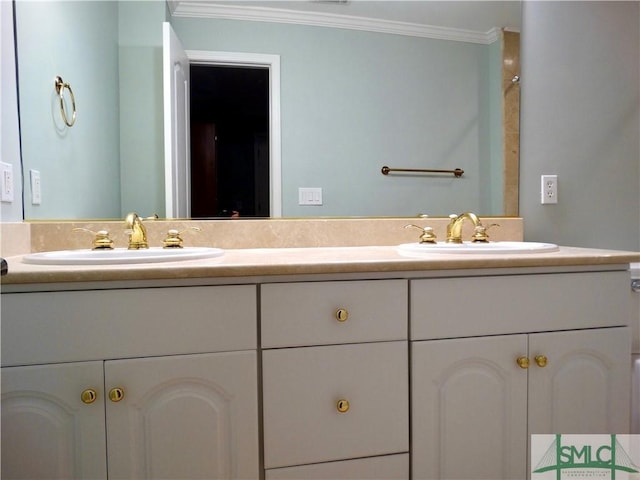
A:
x: 60, y: 86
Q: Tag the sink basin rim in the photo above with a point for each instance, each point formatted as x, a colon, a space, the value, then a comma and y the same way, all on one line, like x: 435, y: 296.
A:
x: 479, y: 248
x: 121, y: 256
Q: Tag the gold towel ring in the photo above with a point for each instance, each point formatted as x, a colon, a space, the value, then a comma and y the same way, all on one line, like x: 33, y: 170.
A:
x: 60, y: 86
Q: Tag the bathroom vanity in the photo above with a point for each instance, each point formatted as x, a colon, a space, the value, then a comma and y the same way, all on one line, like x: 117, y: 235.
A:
x: 311, y: 363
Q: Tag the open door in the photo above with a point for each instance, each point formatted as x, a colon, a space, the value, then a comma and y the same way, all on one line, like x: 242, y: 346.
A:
x: 175, y: 68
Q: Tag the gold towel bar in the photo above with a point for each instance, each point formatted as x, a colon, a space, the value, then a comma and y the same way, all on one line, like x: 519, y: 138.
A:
x: 386, y: 170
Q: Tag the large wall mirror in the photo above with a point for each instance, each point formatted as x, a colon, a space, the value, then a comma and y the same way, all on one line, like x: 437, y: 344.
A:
x: 409, y: 85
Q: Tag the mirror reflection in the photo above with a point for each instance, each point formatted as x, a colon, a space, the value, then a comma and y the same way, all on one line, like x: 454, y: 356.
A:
x: 351, y: 101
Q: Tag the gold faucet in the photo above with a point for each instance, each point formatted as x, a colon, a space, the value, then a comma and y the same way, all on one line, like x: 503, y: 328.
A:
x: 454, y: 229
x: 136, y: 230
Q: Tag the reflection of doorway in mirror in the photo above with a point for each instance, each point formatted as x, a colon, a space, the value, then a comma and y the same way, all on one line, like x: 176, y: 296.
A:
x: 229, y: 141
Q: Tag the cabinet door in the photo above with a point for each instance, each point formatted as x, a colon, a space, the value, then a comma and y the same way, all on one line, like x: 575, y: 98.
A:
x: 584, y: 386
x: 48, y: 432
x: 186, y: 417
x: 469, y: 408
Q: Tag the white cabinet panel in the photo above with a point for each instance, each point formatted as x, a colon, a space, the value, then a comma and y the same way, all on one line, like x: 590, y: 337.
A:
x: 473, y: 405
x: 466, y: 307
x: 48, y: 327
x: 48, y: 432
x: 469, y: 408
x: 186, y: 417
x: 388, y: 467
x: 297, y: 314
x: 584, y: 386
x: 302, y: 387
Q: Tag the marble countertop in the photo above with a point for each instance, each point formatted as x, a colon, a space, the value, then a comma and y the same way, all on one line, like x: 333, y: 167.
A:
x: 316, y: 260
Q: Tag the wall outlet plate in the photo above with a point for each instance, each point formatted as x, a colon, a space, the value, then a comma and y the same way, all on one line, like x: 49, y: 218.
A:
x: 548, y: 189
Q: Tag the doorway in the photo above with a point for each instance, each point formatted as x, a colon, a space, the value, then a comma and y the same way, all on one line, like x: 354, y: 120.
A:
x: 230, y: 121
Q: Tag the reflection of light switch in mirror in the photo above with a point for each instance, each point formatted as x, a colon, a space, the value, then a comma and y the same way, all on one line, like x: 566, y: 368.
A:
x: 36, y: 187
x: 309, y: 196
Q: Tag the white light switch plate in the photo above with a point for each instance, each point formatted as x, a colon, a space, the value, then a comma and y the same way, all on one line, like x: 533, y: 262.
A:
x: 36, y: 187
x: 6, y: 190
x: 309, y: 196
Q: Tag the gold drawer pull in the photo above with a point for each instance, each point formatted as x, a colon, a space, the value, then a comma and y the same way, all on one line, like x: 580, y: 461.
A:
x: 116, y: 394
x: 343, y: 405
x: 541, y: 360
x: 88, y: 396
x: 523, y: 362
x: 342, y: 314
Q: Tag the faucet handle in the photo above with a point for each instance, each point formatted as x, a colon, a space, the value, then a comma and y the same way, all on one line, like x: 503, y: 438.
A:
x: 173, y: 239
x: 101, y: 240
x: 480, y: 233
x: 427, y: 233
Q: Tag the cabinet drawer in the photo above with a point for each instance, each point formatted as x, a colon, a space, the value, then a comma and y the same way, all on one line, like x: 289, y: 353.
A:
x: 296, y: 314
x: 389, y: 467
x: 474, y: 306
x: 50, y: 327
x: 302, y: 388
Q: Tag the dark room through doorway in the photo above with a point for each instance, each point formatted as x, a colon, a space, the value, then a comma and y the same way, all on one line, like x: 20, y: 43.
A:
x: 229, y: 116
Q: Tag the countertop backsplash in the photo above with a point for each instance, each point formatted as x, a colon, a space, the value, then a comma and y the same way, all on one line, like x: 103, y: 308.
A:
x: 29, y: 237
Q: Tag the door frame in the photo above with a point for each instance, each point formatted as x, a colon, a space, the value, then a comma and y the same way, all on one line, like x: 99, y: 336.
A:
x: 260, y: 60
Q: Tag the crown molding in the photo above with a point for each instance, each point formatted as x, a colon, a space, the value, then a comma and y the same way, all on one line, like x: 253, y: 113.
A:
x: 199, y: 9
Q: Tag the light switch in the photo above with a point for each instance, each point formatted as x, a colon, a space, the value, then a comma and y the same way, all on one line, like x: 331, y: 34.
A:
x: 309, y: 196
x: 7, y: 182
x: 36, y: 187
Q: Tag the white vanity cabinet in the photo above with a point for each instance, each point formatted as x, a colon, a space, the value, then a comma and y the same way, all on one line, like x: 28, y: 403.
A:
x: 495, y: 359
x: 141, y: 383
x: 335, y: 405
x: 433, y: 374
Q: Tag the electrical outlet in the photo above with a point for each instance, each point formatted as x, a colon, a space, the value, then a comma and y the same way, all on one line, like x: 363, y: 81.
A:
x: 36, y: 187
x: 7, y: 182
x: 548, y: 189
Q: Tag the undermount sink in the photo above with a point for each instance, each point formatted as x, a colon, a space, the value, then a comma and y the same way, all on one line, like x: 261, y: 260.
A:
x: 121, y: 256
x: 478, y: 247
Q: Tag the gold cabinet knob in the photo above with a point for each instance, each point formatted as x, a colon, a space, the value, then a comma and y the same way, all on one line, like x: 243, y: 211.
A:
x: 541, y: 360
x: 342, y: 405
x: 523, y: 362
x: 116, y: 394
x: 88, y: 396
x: 342, y: 314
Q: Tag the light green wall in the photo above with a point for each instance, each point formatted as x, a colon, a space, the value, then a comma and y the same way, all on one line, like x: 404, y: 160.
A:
x: 354, y: 101
x: 79, y: 166
x: 580, y: 120
x: 141, y: 107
